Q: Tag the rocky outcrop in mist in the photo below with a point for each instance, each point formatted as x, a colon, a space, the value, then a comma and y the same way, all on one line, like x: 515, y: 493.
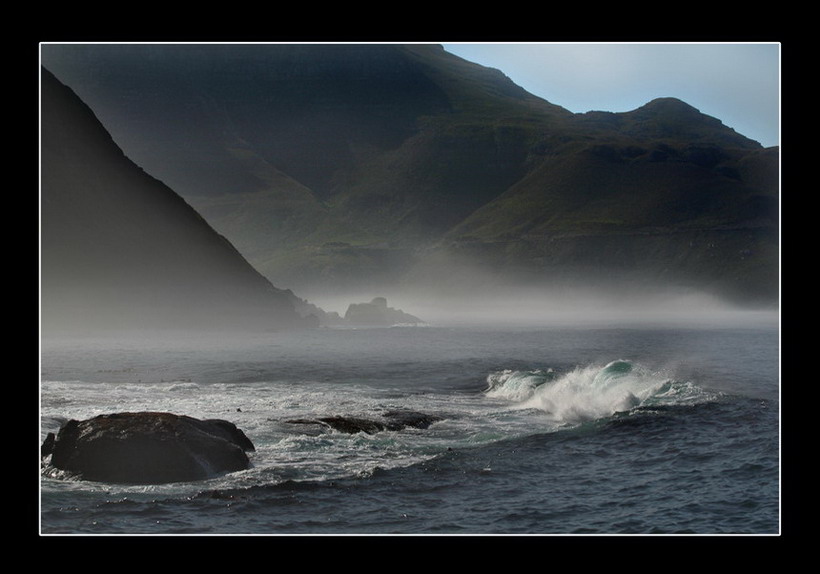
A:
x: 377, y: 313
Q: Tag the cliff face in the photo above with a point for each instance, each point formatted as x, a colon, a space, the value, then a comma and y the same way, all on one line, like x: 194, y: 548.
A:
x: 349, y: 167
x: 122, y: 251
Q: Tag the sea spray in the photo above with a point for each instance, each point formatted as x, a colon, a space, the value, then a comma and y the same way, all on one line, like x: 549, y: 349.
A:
x: 582, y: 394
x: 517, y: 385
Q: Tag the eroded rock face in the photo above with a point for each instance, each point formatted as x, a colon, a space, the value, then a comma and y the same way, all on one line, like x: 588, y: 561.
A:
x: 147, y: 448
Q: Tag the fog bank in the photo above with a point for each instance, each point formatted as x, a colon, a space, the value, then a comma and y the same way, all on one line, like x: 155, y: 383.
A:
x: 534, y: 307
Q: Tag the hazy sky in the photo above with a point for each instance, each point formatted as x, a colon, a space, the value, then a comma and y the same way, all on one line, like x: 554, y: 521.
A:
x: 737, y: 83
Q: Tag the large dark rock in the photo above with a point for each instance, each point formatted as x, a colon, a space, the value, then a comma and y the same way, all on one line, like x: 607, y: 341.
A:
x: 147, y: 448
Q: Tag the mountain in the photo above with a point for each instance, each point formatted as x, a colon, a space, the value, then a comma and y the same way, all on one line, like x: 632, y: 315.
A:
x: 648, y: 203
x: 337, y: 168
x: 121, y: 251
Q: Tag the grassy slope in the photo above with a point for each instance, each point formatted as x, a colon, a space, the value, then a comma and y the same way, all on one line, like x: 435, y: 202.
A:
x: 596, y: 212
x: 400, y: 198
x: 516, y: 182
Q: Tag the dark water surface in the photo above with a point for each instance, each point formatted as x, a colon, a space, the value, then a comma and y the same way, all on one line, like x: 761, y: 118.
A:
x: 605, y: 430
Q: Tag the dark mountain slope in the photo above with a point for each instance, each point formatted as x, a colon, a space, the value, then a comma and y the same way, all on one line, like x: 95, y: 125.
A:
x: 318, y: 162
x: 347, y: 167
x: 305, y: 109
x: 120, y: 250
x: 612, y: 213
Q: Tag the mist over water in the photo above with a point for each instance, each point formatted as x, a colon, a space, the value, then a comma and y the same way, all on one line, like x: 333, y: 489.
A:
x: 578, y: 306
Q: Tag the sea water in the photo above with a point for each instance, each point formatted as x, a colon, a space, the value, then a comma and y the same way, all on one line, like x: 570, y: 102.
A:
x: 641, y: 429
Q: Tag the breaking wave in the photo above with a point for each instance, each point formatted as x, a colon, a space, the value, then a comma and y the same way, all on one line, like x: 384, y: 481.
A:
x: 591, y: 392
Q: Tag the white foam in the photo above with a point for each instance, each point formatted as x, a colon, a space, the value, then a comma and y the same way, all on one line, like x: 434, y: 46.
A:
x: 583, y: 394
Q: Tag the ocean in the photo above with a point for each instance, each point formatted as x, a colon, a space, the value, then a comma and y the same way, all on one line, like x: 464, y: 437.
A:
x: 641, y: 428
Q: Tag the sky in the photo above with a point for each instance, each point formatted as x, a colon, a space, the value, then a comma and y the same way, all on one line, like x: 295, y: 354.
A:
x: 739, y: 84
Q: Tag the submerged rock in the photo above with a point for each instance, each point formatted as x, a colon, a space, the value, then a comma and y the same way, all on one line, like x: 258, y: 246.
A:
x: 147, y: 448
x: 391, y: 420
x: 400, y: 419
x: 353, y: 425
